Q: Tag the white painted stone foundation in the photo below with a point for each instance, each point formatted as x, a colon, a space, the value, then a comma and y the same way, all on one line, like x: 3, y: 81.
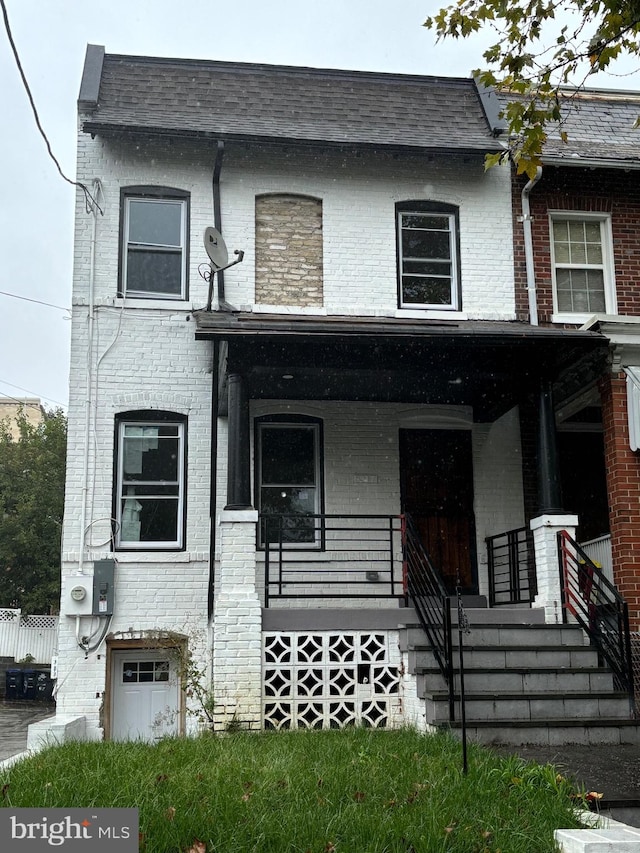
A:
x: 545, y: 540
x: 237, y: 625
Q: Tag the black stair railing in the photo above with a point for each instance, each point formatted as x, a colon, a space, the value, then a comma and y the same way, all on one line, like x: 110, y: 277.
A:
x: 512, y: 571
x: 426, y: 590
x: 599, y: 609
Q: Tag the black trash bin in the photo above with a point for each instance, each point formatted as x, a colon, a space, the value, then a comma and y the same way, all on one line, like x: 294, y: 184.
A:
x: 44, y: 687
x: 29, y: 683
x: 13, y: 684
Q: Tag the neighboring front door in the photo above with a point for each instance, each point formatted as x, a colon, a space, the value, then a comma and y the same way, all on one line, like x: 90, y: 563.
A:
x: 145, y: 695
x: 436, y: 477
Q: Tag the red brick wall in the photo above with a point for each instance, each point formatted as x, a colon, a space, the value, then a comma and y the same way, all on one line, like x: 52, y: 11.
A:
x: 623, y: 486
x: 606, y: 190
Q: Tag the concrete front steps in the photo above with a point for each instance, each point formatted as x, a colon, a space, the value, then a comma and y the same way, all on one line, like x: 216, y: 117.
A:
x: 525, y: 682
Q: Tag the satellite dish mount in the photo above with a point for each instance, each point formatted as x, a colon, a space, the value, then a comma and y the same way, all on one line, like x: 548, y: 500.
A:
x: 216, y: 248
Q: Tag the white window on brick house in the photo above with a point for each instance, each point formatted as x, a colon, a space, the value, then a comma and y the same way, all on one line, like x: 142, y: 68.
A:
x: 153, y: 260
x: 150, y: 481
x: 289, y: 480
x: 582, y: 265
x: 428, y: 255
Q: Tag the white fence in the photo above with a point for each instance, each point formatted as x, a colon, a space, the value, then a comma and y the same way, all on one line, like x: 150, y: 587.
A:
x: 599, y: 550
x: 27, y: 635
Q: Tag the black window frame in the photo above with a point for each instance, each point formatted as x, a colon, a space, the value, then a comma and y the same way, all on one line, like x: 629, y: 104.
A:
x: 153, y: 193
x: 292, y: 421
x: 452, y: 211
x: 149, y: 417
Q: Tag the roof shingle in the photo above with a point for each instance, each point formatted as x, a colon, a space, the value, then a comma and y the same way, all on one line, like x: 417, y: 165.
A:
x: 278, y: 103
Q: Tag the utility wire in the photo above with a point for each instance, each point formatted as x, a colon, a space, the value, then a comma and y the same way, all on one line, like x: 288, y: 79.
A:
x: 37, y: 301
x: 19, y: 401
x: 28, y: 390
x: 90, y: 201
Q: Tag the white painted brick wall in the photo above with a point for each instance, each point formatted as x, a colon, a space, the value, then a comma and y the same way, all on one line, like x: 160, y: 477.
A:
x: 497, y: 483
x: 145, y: 355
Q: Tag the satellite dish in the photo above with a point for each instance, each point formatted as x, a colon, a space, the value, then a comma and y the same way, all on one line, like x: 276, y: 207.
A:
x: 216, y: 248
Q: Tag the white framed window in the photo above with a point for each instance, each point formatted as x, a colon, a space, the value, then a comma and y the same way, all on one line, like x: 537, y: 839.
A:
x: 428, y: 256
x: 289, y: 481
x: 154, y: 244
x: 582, y: 265
x: 150, y: 482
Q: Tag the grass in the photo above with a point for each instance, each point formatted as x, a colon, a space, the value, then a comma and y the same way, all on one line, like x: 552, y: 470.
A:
x: 350, y: 791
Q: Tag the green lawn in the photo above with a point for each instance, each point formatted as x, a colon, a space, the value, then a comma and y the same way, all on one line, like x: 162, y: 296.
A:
x: 350, y: 791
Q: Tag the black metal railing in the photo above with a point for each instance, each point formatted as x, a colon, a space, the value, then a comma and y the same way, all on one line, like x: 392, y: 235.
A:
x: 331, y: 556
x: 593, y: 601
x: 427, y: 594
x: 512, y: 569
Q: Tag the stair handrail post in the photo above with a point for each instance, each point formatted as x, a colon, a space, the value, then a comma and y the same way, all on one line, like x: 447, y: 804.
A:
x: 448, y: 634
x: 463, y: 628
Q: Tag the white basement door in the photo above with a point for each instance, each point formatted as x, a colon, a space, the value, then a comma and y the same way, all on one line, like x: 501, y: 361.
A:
x: 145, y: 696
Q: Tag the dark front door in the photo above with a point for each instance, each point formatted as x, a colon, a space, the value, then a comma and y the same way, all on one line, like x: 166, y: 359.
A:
x: 436, y: 477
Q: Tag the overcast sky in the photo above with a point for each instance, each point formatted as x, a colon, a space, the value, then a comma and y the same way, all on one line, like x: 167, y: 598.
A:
x: 51, y: 35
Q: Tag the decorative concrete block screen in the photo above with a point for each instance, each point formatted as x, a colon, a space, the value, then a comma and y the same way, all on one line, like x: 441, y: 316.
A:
x: 328, y: 680
x: 289, y: 250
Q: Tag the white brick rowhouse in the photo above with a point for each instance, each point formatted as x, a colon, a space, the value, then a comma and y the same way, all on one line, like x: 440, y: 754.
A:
x: 374, y: 309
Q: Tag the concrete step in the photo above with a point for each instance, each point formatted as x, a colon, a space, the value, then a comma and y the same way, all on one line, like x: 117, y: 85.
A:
x: 522, y: 681
x: 513, y: 708
x: 500, y: 634
x: 551, y: 733
x: 496, y: 657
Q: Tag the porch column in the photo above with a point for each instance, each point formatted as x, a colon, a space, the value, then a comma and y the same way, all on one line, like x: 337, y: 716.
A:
x: 237, y: 625
x: 549, y: 498
x: 550, y: 519
x: 239, y: 467
x: 545, y: 543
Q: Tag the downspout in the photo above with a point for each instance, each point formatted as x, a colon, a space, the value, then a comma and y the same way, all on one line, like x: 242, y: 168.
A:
x: 528, y: 247
x: 97, y: 193
x: 217, y: 211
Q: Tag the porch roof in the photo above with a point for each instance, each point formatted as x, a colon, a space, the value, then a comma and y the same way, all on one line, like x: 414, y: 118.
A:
x: 488, y: 365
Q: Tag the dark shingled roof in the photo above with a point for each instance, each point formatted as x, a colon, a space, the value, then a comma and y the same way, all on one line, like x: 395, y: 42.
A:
x: 600, y: 128
x: 228, y: 100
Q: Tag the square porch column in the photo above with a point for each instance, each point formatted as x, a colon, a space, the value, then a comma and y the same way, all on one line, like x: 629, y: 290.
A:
x: 237, y: 625
x: 545, y: 542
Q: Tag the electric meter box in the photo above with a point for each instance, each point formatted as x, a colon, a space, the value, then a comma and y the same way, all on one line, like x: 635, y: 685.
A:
x: 103, y: 573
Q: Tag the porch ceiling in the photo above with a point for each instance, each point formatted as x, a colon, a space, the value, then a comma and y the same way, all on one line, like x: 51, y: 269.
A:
x: 487, y: 365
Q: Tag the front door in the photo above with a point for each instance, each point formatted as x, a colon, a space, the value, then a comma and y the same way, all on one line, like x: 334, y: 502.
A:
x: 436, y: 481
x: 145, y: 695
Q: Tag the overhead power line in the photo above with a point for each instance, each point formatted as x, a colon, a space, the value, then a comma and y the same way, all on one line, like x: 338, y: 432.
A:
x: 28, y: 391
x: 90, y: 201
x: 37, y: 301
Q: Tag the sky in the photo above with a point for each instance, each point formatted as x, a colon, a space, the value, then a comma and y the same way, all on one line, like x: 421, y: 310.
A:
x: 36, y: 205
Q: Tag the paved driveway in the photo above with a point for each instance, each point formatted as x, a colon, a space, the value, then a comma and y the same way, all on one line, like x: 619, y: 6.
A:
x: 14, y: 720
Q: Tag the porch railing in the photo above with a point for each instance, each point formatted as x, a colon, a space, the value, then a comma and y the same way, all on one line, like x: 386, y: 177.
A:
x: 431, y: 602
x: 331, y: 556
x: 592, y: 600
x: 512, y: 571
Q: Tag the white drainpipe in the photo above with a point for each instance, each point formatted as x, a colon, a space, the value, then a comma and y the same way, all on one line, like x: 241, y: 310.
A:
x: 97, y: 193
x: 528, y: 247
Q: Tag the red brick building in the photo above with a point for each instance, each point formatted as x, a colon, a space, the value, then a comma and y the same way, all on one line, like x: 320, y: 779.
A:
x: 582, y: 270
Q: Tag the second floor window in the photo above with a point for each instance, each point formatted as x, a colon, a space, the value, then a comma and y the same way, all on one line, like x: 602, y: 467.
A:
x: 428, y: 256
x: 154, y: 246
x: 582, y: 265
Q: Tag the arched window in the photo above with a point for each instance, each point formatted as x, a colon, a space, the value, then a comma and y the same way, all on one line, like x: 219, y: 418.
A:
x: 428, y: 255
x: 154, y: 241
x: 150, y: 480
x: 289, y: 482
